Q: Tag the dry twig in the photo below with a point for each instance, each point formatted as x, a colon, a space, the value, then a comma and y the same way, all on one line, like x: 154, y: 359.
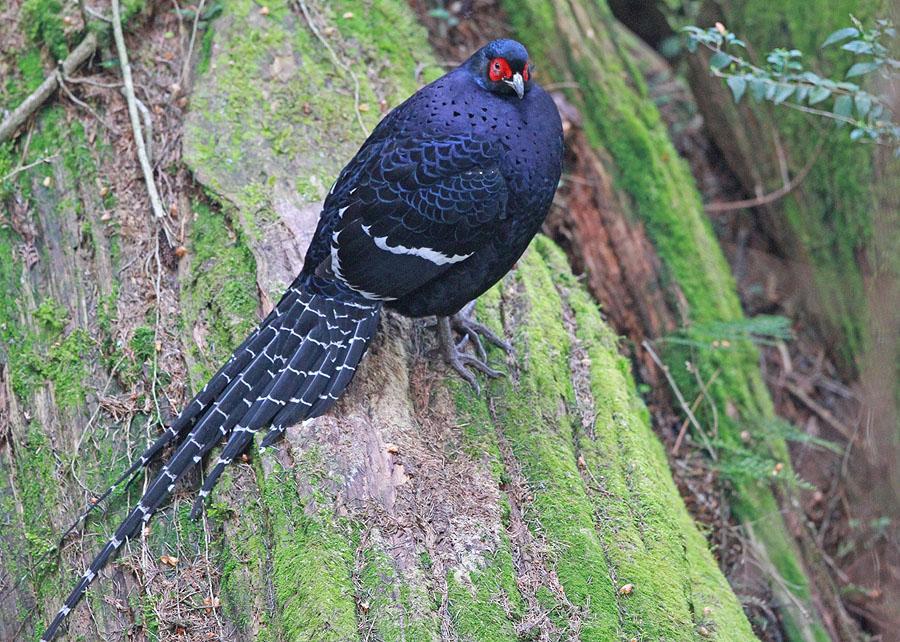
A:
x: 819, y: 409
x: 703, y: 395
x: 337, y: 61
x: 23, y: 168
x: 62, y: 83
x: 787, y: 187
x: 186, y: 69
x: 155, y: 201
x: 21, y: 113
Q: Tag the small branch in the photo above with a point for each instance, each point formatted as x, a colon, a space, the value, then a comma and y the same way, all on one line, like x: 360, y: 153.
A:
x: 148, y: 127
x: 818, y: 409
x: 337, y: 61
x: 19, y: 170
x: 155, y: 201
x: 95, y: 14
x: 21, y: 113
x: 765, y: 199
x: 81, y: 103
x: 186, y: 69
x: 93, y: 83
x: 703, y: 394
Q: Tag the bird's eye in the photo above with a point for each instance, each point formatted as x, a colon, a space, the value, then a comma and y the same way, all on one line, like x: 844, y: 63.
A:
x: 499, y: 70
x: 526, y: 75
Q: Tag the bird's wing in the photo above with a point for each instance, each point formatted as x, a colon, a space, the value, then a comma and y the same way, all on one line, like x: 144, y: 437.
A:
x: 416, y: 209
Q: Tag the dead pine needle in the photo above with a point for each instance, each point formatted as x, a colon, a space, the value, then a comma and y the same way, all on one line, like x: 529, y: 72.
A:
x: 680, y: 397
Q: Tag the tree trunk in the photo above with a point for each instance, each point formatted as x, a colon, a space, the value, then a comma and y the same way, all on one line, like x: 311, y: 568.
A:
x: 542, y: 509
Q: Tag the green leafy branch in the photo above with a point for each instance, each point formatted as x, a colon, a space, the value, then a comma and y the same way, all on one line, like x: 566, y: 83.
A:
x: 785, y: 81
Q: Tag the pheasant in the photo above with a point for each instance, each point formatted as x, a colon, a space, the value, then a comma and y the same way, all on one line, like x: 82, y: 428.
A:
x: 436, y: 206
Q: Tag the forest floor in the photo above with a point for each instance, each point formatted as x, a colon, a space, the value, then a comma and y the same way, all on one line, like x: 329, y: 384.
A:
x: 804, y: 383
x: 844, y: 521
x: 162, y: 69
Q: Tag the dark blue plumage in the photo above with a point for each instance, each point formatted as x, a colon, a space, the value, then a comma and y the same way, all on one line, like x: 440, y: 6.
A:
x: 465, y: 168
x: 436, y: 206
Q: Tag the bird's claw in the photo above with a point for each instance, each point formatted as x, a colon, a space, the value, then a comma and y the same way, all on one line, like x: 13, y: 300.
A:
x: 470, y: 329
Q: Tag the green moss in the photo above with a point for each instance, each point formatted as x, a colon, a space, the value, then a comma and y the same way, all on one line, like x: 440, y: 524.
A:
x: 77, y: 157
x: 143, y: 344
x: 131, y: 8
x: 206, y: 43
x: 106, y: 316
x: 44, y: 353
x: 648, y: 535
x: 540, y: 439
x: 475, y: 608
x: 392, y: 605
x: 312, y: 563
x: 283, y: 123
x: 62, y: 363
x: 244, y: 562
x: 52, y: 315
x: 42, y: 21
x: 47, y: 355
x: 391, y: 39
x: 36, y: 494
x: 7, y: 166
x: 32, y: 70
x: 220, y: 289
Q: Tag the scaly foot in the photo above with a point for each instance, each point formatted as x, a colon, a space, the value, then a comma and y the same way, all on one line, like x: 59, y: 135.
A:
x: 470, y: 329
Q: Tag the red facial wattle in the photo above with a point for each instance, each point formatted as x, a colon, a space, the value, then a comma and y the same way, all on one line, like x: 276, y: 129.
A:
x: 499, y: 69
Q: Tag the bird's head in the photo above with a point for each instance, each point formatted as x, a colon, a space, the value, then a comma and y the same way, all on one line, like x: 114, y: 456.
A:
x: 501, y: 67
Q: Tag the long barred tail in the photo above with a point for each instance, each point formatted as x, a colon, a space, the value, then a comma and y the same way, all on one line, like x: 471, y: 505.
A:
x: 294, y: 366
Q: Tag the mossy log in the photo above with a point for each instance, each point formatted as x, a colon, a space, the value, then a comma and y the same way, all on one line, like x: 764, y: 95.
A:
x: 655, y: 187
x: 543, y: 509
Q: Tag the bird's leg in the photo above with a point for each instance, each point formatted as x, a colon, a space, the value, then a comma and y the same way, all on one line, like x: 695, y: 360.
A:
x: 469, y: 329
x: 465, y: 324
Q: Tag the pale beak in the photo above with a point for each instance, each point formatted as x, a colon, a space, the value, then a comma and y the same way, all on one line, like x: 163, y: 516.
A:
x: 518, y: 84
